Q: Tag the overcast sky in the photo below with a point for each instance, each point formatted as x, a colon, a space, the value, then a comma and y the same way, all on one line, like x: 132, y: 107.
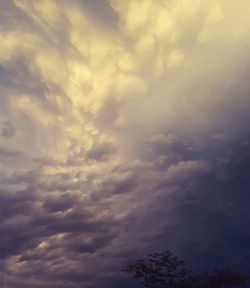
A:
x: 124, y: 130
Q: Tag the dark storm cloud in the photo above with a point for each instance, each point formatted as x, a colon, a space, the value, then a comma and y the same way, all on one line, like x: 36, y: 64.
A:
x: 115, y: 184
x: 18, y: 77
x: 77, y: 208
x: 7, y: 129
x: 193, y: 211
x: 10, y: 15
x: 100, y: 152
x: 212, y: 218
x: 16, y: 208
x: 67, y: 222
x: 100, y: 11
x: 204, y: 218
x: 27, y: 177
x: 108, y: 113
x: 60, y: 202
x: 72, y: 229
x: 5, y: 153
x: 16, y: 203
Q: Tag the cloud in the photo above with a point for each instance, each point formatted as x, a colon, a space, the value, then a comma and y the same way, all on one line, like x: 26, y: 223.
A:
x: 7, y: 129
x: 9, y: 153
x: 183, y: 169
x: 100, y: 152
x: 122, y: 124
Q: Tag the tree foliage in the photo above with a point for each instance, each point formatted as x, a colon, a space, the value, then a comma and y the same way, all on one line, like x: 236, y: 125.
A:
x: 165, y: 270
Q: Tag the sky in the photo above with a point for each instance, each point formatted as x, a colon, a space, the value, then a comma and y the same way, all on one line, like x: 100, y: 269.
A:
x: 124, y: 130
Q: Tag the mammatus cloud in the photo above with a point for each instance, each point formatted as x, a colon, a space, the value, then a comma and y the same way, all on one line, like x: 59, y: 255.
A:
x: 122, y: 122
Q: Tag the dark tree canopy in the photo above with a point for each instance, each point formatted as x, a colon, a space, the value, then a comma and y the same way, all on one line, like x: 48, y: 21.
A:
x: 164, y: 270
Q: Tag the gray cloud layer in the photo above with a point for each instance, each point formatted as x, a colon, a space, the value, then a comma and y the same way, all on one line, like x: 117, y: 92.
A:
x: 123, y: 130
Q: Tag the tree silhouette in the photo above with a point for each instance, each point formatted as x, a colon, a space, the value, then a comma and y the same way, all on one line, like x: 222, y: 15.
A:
x: 164, y: 270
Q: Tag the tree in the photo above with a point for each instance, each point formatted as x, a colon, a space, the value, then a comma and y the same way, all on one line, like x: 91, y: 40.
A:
x: 164, y: 270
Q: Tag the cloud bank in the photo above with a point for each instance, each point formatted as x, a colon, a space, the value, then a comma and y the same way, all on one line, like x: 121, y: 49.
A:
x: 123, y: 129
